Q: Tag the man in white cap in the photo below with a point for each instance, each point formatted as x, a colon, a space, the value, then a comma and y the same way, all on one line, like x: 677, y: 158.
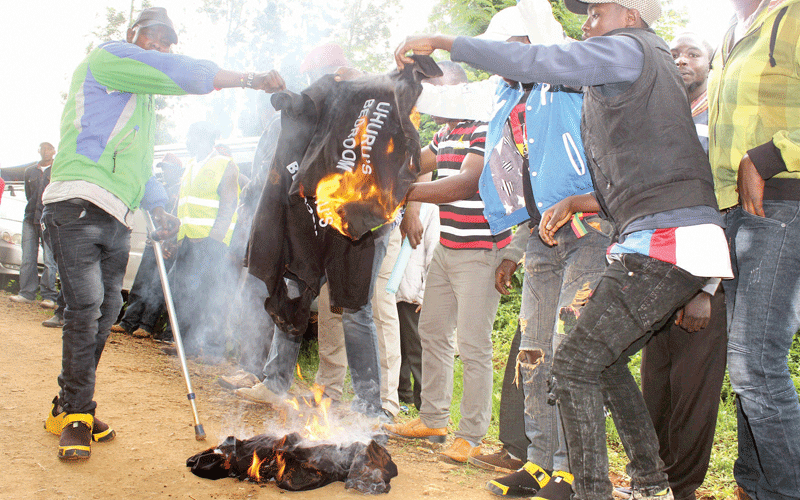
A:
x: 668, y: 233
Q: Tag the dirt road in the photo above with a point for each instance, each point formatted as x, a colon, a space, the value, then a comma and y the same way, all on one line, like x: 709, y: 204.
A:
x: 140, y: 392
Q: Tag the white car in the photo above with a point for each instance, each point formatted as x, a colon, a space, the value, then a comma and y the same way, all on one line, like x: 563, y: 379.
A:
x: 12, y: 212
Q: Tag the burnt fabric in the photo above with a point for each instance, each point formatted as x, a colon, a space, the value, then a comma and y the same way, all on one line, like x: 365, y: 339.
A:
x: 296, y: 465
x: 357, y: 136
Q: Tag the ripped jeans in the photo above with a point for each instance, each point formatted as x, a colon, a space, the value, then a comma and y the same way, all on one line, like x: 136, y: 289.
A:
x: 558, y: 281
x: 635, y: 296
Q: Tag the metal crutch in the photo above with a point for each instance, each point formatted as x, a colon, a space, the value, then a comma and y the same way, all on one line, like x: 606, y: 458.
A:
x: 199, y: 433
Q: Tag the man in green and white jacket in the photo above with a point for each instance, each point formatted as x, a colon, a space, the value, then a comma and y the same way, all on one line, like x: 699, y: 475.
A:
x: 101, y: 175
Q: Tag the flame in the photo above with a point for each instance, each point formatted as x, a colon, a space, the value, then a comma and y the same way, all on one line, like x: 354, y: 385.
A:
x: 318, y: 391
x: 338, y: 189
x: 415, y: 117
x: 358, y: 186
x: 281, y: 462
x: 311, y: 415
x: 299, y: 373
x: 255, y: 468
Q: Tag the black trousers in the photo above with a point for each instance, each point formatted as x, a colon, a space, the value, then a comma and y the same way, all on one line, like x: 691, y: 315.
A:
x: 408, y: 390
x: 682, y: 377
x: 512, y: 407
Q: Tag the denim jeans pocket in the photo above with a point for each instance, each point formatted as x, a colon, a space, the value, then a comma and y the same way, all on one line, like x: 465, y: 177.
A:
x: 776, y: 213
x: 64, y: 213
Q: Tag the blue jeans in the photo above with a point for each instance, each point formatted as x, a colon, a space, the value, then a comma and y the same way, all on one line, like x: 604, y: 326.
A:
x: 763, y: 318
x: 91, y: 248
x: 361, y: 344
x: 252, y: 324
x: 29, y: 279
x: 558, y: 281
x: 635, y: 296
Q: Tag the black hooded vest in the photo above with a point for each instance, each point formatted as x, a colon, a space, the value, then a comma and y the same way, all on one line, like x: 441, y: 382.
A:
x: 642, y: 145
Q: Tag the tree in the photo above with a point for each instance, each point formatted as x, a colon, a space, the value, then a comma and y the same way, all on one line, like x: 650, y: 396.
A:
x: 465, y: 17
x: 671, y: 22
x: 569, y: 21
x: 364, y: 33
x: 274, y: 34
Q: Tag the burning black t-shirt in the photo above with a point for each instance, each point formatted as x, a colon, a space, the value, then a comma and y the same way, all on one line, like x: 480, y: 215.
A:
x: 346, y: 156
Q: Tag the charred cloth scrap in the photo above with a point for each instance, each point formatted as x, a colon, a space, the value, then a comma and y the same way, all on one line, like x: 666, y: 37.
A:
x: 346, y: 156
x: 296, y: 464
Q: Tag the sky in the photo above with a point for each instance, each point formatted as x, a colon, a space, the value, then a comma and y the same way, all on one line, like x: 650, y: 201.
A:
x: 44, y: 40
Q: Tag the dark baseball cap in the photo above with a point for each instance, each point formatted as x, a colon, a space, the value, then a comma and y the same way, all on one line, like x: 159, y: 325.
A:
x: 153, y: 16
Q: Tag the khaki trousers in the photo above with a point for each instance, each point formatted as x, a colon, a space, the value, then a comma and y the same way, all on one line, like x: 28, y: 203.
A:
x: 459, y: 293
x: 387, y: 324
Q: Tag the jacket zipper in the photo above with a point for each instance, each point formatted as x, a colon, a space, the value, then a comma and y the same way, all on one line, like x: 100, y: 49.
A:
x: 117, y: 150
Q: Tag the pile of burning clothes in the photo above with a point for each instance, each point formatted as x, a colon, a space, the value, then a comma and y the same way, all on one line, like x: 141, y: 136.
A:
x: 296, y: 464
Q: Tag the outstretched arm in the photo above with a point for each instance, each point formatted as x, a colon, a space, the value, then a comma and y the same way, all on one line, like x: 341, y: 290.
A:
x: 460, y: 186
x: 597, y: 61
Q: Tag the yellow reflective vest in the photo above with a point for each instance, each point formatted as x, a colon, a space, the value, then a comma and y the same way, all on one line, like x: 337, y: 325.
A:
x: 198, y: 200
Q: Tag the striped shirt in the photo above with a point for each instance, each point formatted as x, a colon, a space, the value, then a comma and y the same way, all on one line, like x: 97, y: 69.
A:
x: 462, y: 224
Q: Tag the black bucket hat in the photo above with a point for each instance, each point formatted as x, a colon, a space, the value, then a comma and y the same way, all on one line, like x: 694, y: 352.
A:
x: 156, y: 16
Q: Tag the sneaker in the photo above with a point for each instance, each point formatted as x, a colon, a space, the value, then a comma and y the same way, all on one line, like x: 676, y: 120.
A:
x: 461, y: 450
x: 417, y: 429
x: 500, y: 461
x: 558, y: 488
x: 656, y: 493
x: 76, y: 437
x: 240, y: 379
x: 55, y: 322
x: 525, y: 482
x: 19, y: 299
x: 48, y: 304
x: 118, y: 328
x: 101, y: 432
x: 259, y: 393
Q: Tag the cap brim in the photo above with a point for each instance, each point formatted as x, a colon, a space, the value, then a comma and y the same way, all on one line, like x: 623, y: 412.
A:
x: 498, y: 37
x: 576, y: 7
x: 146, y: 24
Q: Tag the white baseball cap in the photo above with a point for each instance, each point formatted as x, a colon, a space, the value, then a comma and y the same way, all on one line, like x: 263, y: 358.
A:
x: 505, y: 24
x: 542, y: 27
x: 650, y: 10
